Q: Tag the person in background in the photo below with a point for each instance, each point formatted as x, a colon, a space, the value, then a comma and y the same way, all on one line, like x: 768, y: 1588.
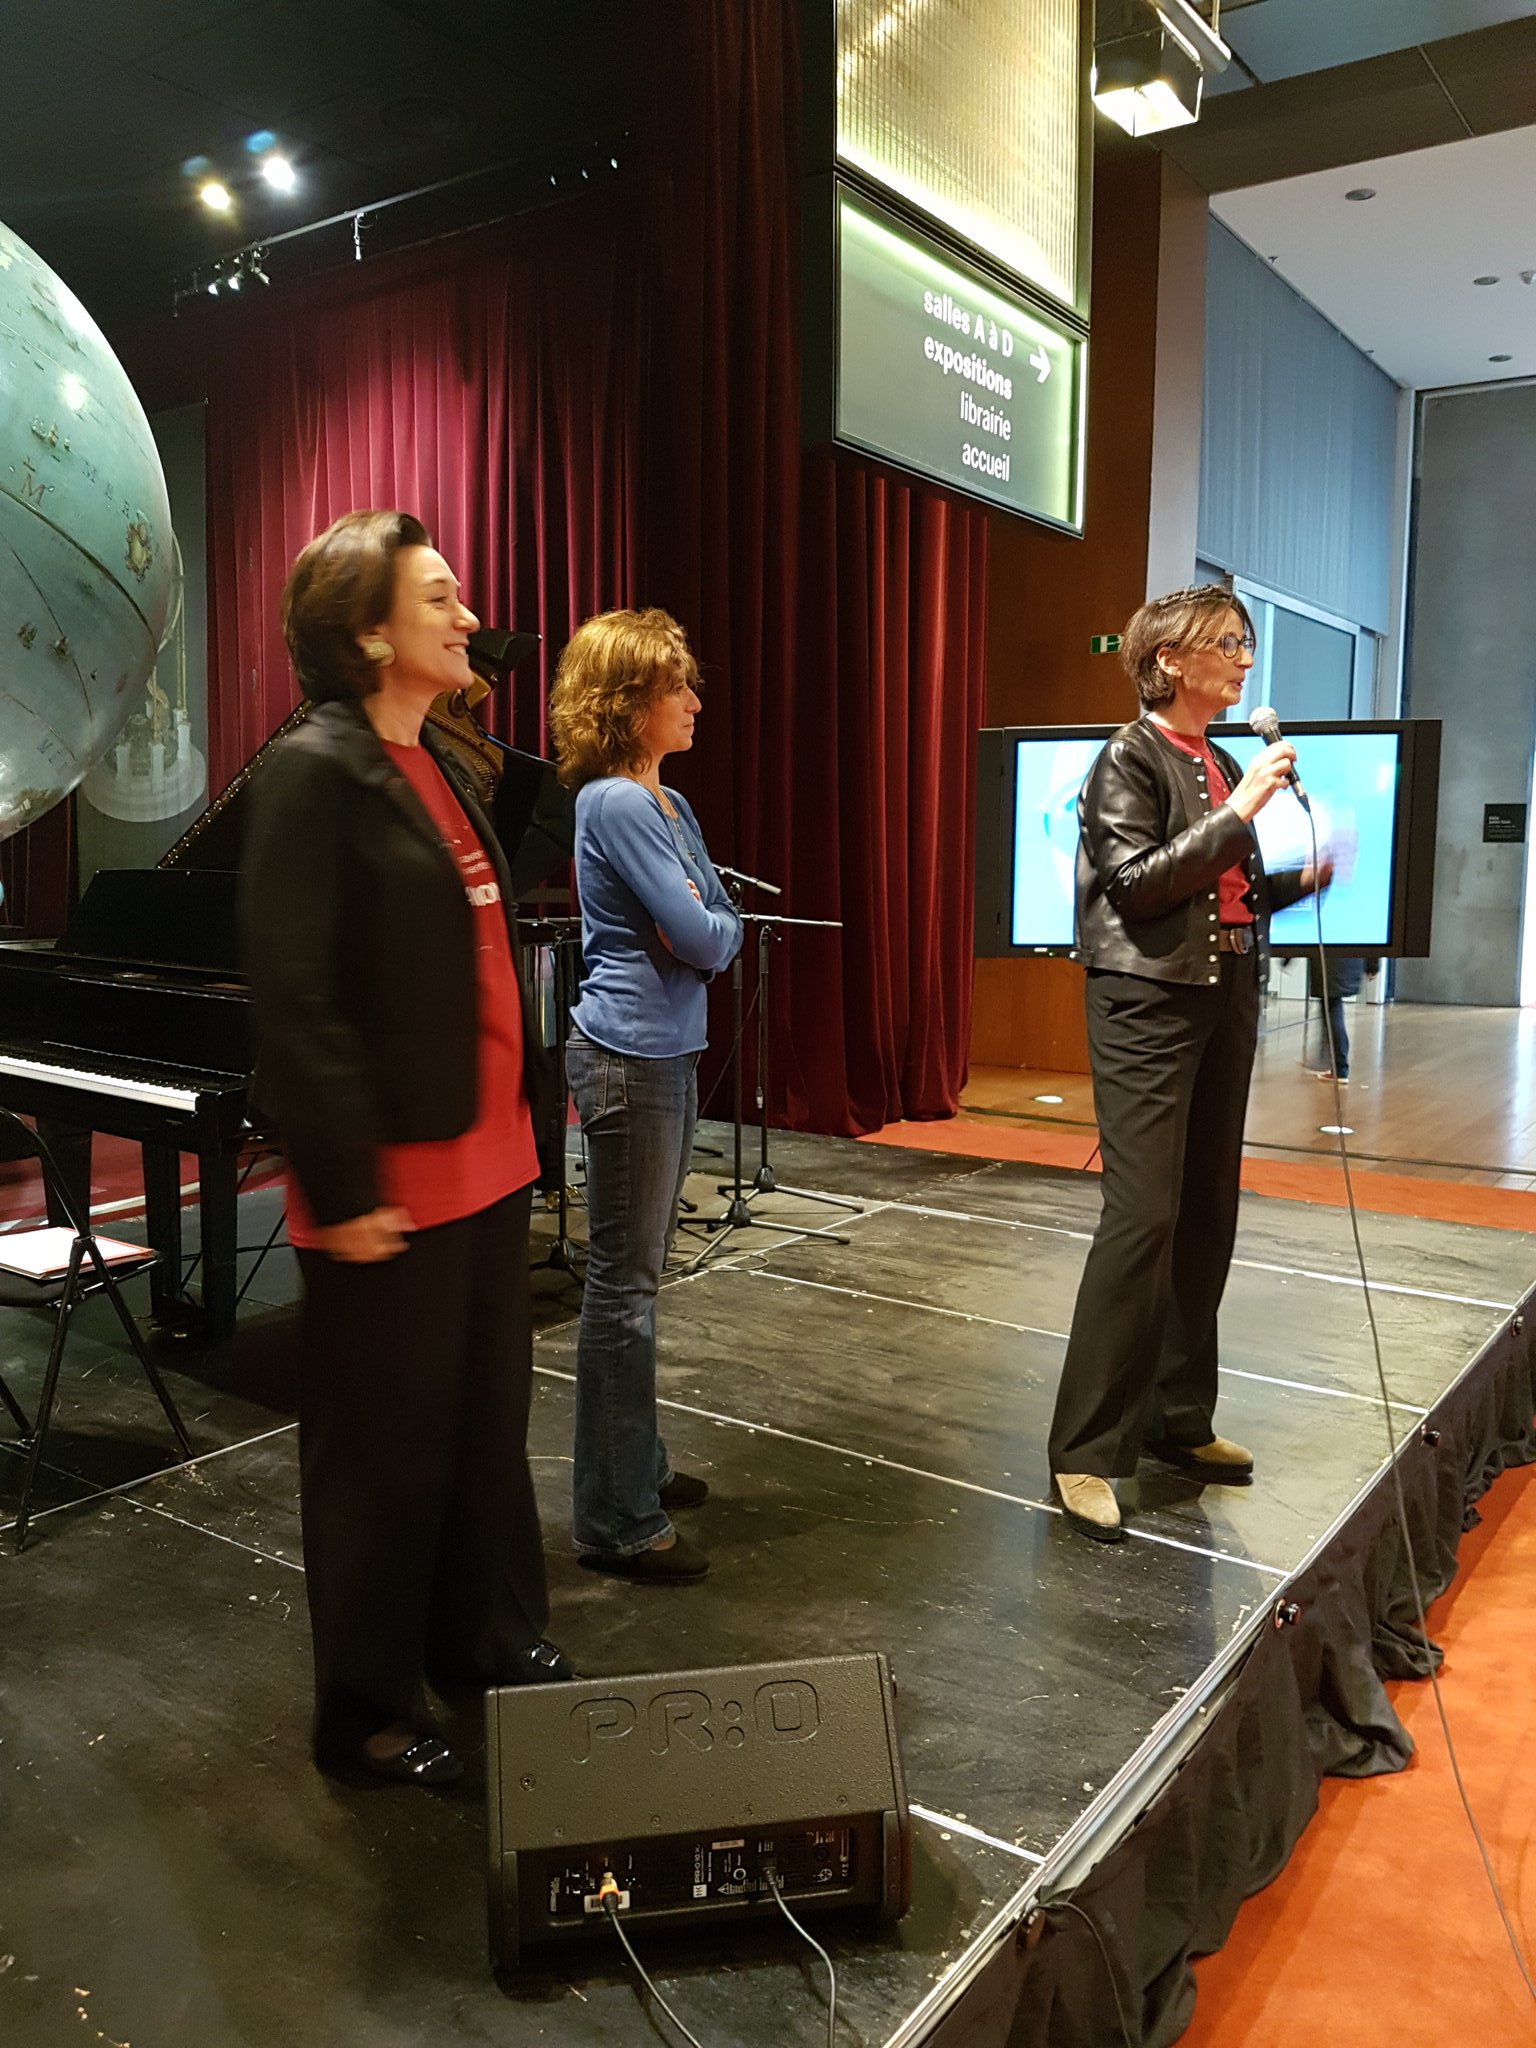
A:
x: 1339, y: 977
x: 395, y: 1060
x: 1172, y: 902
x: 656, y: 924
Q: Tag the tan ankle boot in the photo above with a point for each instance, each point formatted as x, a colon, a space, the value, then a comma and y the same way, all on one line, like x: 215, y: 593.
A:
x: 1090, y: 1505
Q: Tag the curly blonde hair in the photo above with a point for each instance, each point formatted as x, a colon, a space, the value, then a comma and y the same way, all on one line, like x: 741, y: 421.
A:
x: 612, y: 671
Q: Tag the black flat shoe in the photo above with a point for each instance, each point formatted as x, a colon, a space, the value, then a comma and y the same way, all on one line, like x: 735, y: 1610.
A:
x: 428, y: 1761
x: 682, y: 1490
x: 677, y: 1566
x: 540, y: 1664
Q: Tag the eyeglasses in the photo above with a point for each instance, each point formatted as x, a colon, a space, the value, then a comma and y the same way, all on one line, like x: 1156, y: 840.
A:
x: 1229, y: 643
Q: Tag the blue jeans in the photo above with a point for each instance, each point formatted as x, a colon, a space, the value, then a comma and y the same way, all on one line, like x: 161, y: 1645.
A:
x: 637, y: 1118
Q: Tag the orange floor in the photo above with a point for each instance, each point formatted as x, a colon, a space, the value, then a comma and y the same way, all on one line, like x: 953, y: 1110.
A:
x: 1382, y: 1932
x: 1294, y: 1180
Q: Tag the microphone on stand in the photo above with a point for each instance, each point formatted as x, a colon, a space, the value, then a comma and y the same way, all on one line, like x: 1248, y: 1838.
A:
x: 735, y: 875
x: 1267, y: 726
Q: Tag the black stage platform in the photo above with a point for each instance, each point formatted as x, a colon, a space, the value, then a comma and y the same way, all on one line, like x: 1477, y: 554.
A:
x: 872, y: 1419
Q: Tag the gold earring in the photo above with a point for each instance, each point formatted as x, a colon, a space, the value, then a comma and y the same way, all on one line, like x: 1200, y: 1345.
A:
x: 379, y: 652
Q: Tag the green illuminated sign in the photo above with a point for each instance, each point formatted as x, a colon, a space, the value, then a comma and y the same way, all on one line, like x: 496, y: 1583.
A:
x: 942, y: 373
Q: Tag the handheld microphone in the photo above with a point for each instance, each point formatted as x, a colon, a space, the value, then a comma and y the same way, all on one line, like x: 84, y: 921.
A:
x: 1267, y: 726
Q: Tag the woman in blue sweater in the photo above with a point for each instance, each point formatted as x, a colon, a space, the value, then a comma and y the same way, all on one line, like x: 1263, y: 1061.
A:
x: 656, y: 924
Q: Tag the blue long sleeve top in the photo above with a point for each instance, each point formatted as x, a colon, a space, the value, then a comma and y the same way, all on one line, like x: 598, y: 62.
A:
x: 633, y: 867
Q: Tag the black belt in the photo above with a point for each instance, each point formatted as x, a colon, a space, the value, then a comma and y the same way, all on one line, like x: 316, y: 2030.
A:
x: 1236, y: 938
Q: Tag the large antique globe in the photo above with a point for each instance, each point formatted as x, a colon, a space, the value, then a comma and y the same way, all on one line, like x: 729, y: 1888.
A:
x: 86, y: 554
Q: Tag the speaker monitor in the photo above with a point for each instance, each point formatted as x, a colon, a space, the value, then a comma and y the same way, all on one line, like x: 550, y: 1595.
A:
x: 690, y: 1789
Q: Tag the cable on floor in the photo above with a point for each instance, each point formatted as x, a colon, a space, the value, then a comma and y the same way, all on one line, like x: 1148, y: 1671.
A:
x: 1400, y: 1500
x: 611, y: 1908
x: 773, y: 1886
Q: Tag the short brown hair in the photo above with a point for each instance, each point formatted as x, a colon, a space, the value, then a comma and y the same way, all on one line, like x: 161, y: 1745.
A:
x: 341, y: 584
x: 612, y: 670
x: 1182, y: 619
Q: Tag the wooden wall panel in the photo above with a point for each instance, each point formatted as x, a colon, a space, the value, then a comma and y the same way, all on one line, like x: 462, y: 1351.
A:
x: 1048, y: 593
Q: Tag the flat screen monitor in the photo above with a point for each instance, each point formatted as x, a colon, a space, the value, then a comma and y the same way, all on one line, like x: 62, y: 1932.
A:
x: 1373, y: 788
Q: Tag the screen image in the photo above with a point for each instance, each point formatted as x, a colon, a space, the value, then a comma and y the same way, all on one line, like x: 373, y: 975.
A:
x: 1351, y: 778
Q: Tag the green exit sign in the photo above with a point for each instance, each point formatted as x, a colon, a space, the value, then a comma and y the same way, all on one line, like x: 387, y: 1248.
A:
x: 1104, y: 643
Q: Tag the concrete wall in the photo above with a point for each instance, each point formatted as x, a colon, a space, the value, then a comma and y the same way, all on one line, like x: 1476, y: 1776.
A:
x: 1472, y: 663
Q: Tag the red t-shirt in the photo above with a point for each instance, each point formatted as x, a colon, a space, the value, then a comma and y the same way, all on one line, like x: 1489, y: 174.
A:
x: 1232, y: 889
x: 440, y: 1180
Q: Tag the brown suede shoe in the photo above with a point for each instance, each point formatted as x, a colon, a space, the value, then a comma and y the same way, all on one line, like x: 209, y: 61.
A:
x: 1090, y: 1505
x: 1218, y: 1463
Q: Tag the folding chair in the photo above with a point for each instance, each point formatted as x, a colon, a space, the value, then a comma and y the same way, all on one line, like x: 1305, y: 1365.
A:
x: 87, y: 1273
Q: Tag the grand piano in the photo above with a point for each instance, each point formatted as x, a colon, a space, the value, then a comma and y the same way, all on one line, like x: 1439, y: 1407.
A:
x: 136, y: 1022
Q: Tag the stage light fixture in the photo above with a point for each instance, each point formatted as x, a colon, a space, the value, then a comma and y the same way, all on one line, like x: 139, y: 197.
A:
x: 279, y: 173
x: 215, y: 196
x: 213, y: 288
x: 1151, y: 59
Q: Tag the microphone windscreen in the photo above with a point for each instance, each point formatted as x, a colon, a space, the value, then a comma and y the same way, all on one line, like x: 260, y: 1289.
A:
x: 1264, y: 722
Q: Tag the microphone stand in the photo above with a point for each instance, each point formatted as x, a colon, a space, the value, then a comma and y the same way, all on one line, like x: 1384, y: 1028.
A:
x: 559, y: 934
x: 738, y: 1213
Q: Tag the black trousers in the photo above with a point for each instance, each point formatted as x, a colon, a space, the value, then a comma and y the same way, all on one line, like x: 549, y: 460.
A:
x: 421, y: 1533
x: 1171, y: 1065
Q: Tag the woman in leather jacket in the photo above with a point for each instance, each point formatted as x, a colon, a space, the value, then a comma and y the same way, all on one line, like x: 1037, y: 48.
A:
x: 1172, y: 902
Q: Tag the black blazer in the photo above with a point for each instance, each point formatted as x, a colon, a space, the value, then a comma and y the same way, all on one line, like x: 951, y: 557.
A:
x: 1152, y: 848
x: 359, y: 946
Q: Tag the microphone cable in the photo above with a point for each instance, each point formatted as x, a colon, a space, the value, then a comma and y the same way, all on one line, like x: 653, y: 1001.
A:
x: 1399, y: 1498
x: 611, y: 1910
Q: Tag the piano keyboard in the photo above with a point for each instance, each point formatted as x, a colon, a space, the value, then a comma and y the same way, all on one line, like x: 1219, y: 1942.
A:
x: 126, y: 1087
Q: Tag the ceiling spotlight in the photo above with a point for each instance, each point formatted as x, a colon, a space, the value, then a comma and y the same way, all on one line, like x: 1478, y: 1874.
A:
x: 1150, y: 62
x: 215, y: 196
x: 1485, y: 280
x: 253, y: 266
x: 1362, y: 192
x: 279, y: 173
x: 1500, y: 359
x: 259, y: 143
x: 213, y: 288
x: 233, y: 281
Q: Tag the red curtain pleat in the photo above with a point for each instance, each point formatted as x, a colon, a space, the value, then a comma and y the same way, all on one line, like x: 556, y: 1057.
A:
x: 485, y: 384
x: 591, y: 409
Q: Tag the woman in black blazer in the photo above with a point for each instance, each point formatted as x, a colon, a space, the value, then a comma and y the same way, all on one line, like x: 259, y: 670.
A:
x: 396, y: 1060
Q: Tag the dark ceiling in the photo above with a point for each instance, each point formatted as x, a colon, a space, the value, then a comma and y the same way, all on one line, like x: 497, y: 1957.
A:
x: 1413, y: 98
x: 107, y: 99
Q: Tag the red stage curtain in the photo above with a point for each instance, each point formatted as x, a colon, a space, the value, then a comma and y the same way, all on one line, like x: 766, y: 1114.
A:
x: 487, y: 385
x: 590, y: 410
x: 841, y: 613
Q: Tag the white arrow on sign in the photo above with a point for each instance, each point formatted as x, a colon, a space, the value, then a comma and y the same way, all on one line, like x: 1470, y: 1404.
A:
x: 1040, y: 361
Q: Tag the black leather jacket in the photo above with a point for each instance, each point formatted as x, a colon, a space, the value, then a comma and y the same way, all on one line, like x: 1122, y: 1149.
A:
x: 1151, y: 850
x: 359, y: 943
